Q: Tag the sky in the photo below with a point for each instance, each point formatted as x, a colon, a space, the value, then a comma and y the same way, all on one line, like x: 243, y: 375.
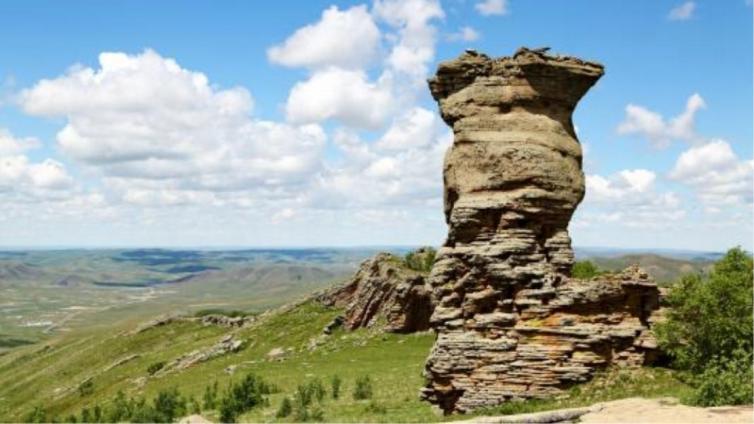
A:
x: 236, y: 123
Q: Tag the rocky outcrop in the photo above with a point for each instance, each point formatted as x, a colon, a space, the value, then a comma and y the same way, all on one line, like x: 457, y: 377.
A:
x: 511, y: 323
x: 385, y: 291
x: 228, y: 344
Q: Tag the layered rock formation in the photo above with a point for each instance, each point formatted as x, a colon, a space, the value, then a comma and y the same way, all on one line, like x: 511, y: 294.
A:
x: 511, y: 323
x: 383, y: 290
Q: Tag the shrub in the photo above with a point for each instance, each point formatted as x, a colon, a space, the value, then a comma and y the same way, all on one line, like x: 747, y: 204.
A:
x: 317, y: 389
x: 725, y: 381
x: 335, y: 383
x: 242, y: 397
x: 421, y: 259
x: 708, y: 331
x: 584, y: 270
x: 169, y: 405
x: 375, y: 408
x: 210, y: 397
x: 120, y: 410
x: 86, y: 387
x: 363, y: 388
x: 37, y: 415
x: 285, y: 409
x: 153, y: 368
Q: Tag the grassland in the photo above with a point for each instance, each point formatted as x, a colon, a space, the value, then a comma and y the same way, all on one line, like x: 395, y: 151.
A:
x: 49, y: 375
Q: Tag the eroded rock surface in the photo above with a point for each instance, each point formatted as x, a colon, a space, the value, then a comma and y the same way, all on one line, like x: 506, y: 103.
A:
x: 383, y: 291
x: 511, y: 322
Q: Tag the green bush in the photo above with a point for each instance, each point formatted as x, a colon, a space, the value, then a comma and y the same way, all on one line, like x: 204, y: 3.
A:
x: 285, y: 409
x: 708, y: 331
x: 153, y: 368
x: 421, y: 259
x: 363, y: 388
x: 335, y: 384
x: 37, y: 415
x: 584, y: 270
x: 242, y: 397
x: 725, y: 381
x: 210, y: 397
x: 86, y: 387
x: 169, y: 405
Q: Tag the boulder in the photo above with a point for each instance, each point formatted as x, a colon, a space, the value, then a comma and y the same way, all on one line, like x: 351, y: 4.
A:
x: 383, y: 291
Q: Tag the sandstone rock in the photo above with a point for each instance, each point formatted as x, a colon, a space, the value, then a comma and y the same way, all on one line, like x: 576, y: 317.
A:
x: 276, y: 354
x: 226, y: 321
x: 225, y: 346
x: 511, y: 322
x: 385, y: 290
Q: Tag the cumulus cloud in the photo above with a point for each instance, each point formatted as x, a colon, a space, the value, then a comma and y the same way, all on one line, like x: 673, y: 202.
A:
x: 682, y: 12
x: 628, y: 198
x: 622, y: 186
x: 141, y: 118
x: 660, y: 133
x: 492, y: 7
x: 414, y: 46
x: 719, y: 176
x: 10, y: 145
x: 348, y: 39
x: 22, y: 177
x: 466, y: 33
x: 344, y: 95
x: 416, y: 128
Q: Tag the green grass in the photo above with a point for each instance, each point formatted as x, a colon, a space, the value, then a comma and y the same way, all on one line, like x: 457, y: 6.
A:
x: 49, y: 375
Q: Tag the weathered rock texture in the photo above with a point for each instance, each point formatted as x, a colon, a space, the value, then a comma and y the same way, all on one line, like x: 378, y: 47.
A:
x: 383, y: 291
x: 511, y: 323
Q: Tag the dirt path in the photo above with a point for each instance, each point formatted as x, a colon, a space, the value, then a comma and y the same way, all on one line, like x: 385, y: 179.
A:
x: 632, y: 411
x: 667, y: 410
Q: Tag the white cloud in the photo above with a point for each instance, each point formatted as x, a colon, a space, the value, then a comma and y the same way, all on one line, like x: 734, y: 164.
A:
x: 492, y: 7
x: 10, y: 145
x: 414, y: 46
x: 466, y: 33
x: 682, y: 12
x: 22, y: 178
x: 628, y: 198
x: 718, y: 175
x: 622, y: 186
x: 644, y: 122
x: 148, y: 125
x: 416, y: 128
x: 348, y: 39
x: 344, y: 95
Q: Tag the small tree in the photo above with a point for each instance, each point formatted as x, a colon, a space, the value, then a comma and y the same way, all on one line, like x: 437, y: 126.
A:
x: 708, y: 331
x: 168, y: 405
x: 363, y: 388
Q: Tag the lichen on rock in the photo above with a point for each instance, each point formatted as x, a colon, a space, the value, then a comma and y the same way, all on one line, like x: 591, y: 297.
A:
x: 510, y: 321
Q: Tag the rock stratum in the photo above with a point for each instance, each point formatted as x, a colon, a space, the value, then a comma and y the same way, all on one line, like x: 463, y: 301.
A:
x: 510, y: 321
x: 383, y: 291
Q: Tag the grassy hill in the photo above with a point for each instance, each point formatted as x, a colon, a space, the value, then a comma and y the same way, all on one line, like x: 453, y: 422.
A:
x: 663, y: 269
x: 50, y: 376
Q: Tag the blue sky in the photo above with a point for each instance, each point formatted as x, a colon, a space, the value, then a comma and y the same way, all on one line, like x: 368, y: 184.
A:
x: 309, y: 123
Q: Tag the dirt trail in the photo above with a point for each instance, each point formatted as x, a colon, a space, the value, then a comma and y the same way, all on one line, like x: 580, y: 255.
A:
x: 666, y: 410
x: 632, y: 411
